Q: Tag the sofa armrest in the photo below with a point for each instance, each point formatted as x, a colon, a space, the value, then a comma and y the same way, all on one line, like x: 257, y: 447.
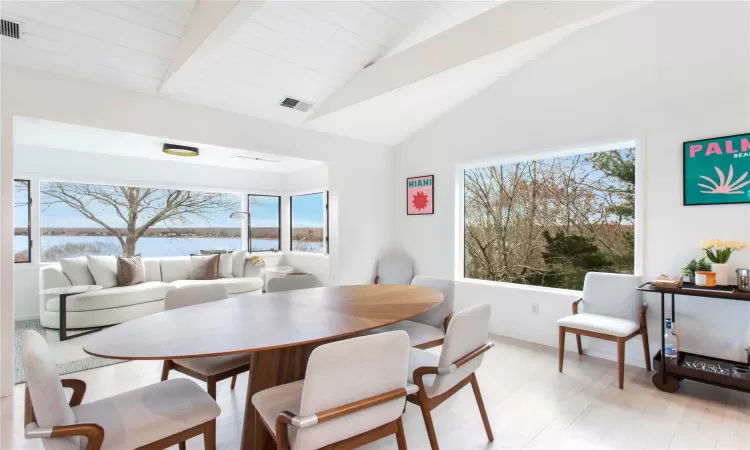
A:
x: 50, y: 276
x: 251, y: 270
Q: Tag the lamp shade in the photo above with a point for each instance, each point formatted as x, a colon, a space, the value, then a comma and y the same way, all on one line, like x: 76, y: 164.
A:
x: 179, y: 150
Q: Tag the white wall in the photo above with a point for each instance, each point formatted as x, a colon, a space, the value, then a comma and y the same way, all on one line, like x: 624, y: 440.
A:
x: 664, y: 74
x: 352, y: 165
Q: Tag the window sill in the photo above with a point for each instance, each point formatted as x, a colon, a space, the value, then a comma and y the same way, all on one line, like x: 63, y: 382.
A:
x: 266, y: 254
x: 523, y: 287
x: 309, y: 254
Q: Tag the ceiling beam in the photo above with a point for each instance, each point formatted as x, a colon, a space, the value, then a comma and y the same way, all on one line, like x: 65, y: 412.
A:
x: 211, y: 23
x: 507, y: 25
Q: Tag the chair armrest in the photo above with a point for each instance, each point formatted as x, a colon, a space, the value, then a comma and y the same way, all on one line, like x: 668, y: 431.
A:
x: 576, y: 302
x: 79, y: 390
x: 419, y: 372
x: 91, y: 431
x: 286, y: 418
x: 447, y: 321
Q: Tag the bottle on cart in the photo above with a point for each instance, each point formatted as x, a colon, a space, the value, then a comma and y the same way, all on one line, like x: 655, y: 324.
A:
x: 671, y: 343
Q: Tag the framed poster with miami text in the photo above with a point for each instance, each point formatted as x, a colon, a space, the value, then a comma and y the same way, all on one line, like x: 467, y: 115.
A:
x: 420, y: 195
x: 716, y: 171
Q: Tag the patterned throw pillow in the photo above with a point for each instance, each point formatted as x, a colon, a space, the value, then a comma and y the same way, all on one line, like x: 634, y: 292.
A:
x: 130, y: 271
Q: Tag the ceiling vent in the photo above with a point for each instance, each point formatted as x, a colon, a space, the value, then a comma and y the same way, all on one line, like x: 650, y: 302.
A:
x: 299, y: 105
x: 257, y: 159
x: 10, y: 29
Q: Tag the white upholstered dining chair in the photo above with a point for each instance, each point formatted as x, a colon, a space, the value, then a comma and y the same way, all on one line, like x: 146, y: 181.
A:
x: 394, y: 269
x: 158, y: 416
x: 439, y: 377
x: 427, y: 330
x: 291, y: 282
x: 210, y: 369
x: 353, y: 393
x: 612, y: 310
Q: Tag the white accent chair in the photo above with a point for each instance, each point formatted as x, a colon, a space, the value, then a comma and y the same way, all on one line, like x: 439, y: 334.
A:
x: 214, y: 369
x: 291, y: 282
x: 158, y: 416
x: 353, y: 393
x: 427, y: 330
x: 394, y: 269
x: 612, y: 310
x: 439, y: 377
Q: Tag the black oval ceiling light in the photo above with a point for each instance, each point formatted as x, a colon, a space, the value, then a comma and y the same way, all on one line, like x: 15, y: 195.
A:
x: 179, y: 150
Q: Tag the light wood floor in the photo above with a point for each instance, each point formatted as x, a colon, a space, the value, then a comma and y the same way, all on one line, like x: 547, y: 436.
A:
x: 529, y: 403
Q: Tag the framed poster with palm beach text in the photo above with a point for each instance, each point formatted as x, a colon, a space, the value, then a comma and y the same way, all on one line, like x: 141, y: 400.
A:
x: 716, y: 171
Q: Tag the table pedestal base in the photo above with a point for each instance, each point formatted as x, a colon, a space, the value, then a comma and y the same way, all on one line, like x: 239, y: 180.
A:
x: 268, y: 369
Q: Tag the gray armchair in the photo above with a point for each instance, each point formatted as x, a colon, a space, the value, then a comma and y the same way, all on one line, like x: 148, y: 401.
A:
x: 395, y: 269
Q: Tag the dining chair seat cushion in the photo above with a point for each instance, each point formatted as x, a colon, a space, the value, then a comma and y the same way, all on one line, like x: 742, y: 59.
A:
x: 214, y: 365
x: 612, y: 326
x: 270, y: 402
x: 423, y: 358
x: 149, y: 414
x: 419, y: 333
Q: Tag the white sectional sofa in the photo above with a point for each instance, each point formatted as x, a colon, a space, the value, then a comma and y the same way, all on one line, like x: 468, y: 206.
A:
x: 122, y: 303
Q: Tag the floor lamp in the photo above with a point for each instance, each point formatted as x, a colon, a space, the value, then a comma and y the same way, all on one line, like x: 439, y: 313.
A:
x: 241, y: 215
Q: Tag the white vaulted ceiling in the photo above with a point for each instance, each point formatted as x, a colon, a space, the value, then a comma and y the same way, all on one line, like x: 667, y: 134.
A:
x: 247, y: 56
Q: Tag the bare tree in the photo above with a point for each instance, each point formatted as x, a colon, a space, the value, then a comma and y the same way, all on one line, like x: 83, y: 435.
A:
x: 138, y: 208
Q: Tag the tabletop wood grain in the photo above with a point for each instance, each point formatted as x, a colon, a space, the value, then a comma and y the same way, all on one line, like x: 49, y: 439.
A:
x: 256, y: 323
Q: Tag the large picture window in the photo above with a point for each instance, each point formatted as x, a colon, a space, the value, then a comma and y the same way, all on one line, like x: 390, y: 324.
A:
x: 265, y: 223
x: 549, y: 222
x: 21, y: 221
x: 309, y: 222
x: 87, y: 219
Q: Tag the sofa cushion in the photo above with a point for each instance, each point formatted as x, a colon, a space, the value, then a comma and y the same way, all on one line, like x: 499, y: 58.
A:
x: 173, y: 269
x: 104, y: 270
x: 233, y: 285
x: 130, y: 271
x: 238, y: 263
x: 77, y: 270
x: 153, y: 269
x: 114, y: 297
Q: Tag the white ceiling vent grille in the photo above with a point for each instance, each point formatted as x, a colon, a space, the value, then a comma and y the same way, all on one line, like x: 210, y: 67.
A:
x: 10, y: 29
x: 299, y: 105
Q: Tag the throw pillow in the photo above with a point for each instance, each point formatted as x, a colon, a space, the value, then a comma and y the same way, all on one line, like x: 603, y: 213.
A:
x: 104, y: 270
x: 238, y: 263
x: 225, y: 261
x: 204, y: 267
x: 130, y: 271
x: 77, y: 270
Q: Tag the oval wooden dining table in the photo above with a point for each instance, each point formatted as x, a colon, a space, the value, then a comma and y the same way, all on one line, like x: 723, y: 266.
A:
x: 278, y: 331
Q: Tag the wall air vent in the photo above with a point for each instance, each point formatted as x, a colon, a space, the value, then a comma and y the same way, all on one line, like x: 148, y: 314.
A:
x: 10, y: 29
x: 299, y: 105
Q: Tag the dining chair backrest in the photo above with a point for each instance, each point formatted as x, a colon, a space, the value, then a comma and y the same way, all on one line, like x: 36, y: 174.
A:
x: 348, y: 371
x: 612, y: 294
x: 436, y: 316
x: 395, y: 269
x: 45, y: 388
x: 467, y: 331
x: 291, y: 283
x: 194, y: 295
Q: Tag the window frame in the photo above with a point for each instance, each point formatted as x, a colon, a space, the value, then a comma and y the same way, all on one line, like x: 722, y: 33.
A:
x: 28, y: 221
x: 250, y: 225
x: 638, y: 223
x: 326, y: 229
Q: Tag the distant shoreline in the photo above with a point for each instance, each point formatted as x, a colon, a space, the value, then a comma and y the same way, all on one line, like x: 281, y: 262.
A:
x: 312, y: 234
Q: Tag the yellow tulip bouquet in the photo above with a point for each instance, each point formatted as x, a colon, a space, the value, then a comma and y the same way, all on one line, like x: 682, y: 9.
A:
x: 718, y: 252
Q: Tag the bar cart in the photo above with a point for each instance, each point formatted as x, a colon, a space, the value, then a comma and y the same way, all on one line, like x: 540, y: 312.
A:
x: 723, y: 374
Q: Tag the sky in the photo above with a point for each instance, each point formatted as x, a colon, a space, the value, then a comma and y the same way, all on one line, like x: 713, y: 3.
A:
x: 308, y: 211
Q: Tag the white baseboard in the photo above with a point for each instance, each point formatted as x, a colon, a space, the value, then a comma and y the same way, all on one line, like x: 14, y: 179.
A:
x: 33, y: 316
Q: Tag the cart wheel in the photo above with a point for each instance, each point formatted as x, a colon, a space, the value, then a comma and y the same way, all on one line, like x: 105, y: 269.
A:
x: 671, y: 383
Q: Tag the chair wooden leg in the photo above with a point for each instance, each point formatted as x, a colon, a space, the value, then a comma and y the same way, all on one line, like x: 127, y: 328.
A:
x: 480, y: 403
x: 561, y: 351
x: 182, y: 445
x: 400, y: 436
x: 209, y: 435
x: 234, y: 382
x: 646, y: 351
x: 211, y: 387
x: 578, y: 343
x: 429, y: 426
x: 620, y: 361
x: 165, y: 370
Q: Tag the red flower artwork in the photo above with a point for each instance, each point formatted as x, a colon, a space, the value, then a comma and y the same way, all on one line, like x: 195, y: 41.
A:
x: 420, y: 201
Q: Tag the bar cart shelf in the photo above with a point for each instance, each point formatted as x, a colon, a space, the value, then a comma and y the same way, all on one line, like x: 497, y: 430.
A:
x: 668, y: 376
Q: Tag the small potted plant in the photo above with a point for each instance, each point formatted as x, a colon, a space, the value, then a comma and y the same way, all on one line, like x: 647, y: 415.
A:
x: 688, y: 271
x: 718, y: 252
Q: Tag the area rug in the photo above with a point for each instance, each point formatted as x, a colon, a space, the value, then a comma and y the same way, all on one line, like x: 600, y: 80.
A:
x: 69, y: 354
